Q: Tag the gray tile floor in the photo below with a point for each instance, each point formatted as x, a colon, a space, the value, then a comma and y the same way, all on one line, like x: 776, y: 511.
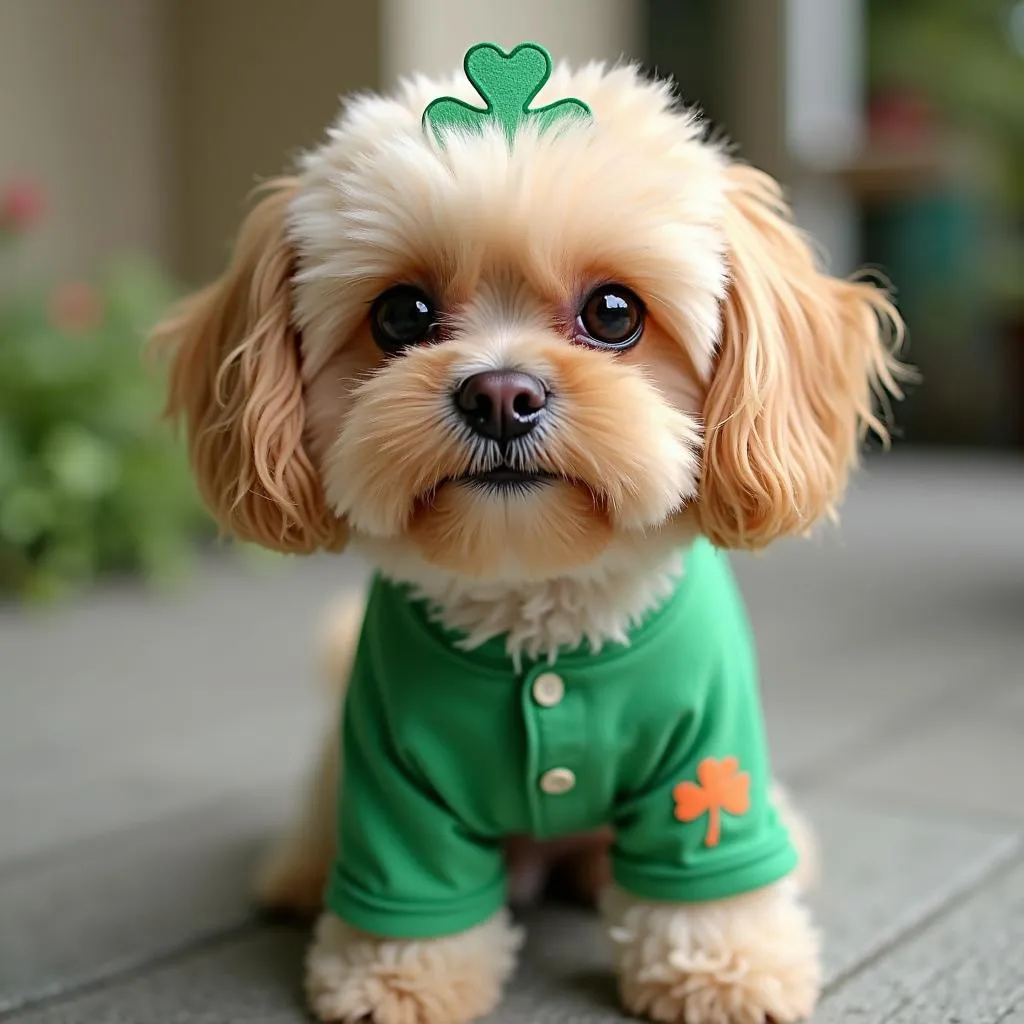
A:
x: 148, y: 746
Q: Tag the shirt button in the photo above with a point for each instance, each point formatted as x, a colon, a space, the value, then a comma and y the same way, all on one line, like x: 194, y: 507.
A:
x: 548, y: 690
x: 557, y: 781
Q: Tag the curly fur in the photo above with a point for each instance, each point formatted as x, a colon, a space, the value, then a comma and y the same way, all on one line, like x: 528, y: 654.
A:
x: 803, y: 359
x: 746, y: 960
x: 738, y: 416
x: 352, y: 977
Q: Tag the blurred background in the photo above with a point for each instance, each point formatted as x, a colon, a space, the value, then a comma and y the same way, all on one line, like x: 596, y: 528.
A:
x: 158, y: 700
x: 132, y: 130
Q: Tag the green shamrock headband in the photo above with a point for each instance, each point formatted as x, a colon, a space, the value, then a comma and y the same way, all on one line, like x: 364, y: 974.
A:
x: 507, y: 83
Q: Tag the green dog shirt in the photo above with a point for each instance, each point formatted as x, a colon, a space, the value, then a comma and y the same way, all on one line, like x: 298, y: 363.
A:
x: 445, y: 752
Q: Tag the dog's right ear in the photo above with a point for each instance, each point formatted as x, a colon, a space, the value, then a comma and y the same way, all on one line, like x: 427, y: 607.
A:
x: 235, y: 380
x: 805, y: 362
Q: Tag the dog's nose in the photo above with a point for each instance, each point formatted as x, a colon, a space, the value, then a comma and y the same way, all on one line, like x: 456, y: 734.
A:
x: 501, y: 404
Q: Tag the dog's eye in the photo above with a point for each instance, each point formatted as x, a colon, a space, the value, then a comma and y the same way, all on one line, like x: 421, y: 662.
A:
x: 613, y: 317
x: 402, y: 316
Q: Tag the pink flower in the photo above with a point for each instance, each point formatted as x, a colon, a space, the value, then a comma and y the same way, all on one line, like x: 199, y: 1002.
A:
x: 21, y: 205
x: 75, y: 307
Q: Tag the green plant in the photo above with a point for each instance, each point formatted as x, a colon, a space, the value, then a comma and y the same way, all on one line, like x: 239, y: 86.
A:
x: 967, y: 57
x: 91, y: 480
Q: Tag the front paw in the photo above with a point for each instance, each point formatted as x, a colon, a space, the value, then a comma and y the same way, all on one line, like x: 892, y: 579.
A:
x: 747, y: 960
x: 353, y: 977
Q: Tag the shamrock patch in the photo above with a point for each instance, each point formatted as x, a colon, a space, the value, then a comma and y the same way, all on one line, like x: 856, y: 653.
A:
x: 722, y: 787
x: 507, y: 83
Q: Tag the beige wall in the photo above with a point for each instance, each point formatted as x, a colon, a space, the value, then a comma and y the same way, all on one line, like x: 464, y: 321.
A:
x: 83, y: 93
x: 753, y: 69
x: 147, y: 122
x: 257, y: 80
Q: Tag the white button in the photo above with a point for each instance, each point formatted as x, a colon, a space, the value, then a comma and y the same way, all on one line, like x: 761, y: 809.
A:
x: 548, y: 690
x: 557, y: 781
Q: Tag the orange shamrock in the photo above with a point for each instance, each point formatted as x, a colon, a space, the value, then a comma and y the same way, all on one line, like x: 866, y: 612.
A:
x: 722, y: 787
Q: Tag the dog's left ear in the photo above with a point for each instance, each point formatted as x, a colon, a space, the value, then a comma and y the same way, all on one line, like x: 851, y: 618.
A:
x: 802, y: 361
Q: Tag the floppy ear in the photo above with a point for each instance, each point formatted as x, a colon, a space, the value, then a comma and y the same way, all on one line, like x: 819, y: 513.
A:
x: 804, y: 357
x: 235, y: 380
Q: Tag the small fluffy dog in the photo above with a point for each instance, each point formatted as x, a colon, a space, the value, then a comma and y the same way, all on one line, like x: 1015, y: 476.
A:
x: 542, y: 375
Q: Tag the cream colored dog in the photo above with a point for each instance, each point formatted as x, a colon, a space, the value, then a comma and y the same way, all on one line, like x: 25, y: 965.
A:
x: 710, y: 380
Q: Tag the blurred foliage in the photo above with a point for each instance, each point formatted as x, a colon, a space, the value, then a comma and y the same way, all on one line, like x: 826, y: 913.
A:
x: 967, y: 58
x: 948, y: 76
x: 91, y: 481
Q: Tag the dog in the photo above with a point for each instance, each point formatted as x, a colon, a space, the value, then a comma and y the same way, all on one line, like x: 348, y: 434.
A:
x: 544, y: 374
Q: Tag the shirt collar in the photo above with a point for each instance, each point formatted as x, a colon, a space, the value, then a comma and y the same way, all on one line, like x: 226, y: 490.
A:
x: 413, y: 615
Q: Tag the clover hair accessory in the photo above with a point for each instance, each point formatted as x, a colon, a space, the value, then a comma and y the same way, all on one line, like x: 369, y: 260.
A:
x: 508, y: 84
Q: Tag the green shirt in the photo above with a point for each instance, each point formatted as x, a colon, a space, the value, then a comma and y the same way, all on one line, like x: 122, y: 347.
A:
x: 445, y: 752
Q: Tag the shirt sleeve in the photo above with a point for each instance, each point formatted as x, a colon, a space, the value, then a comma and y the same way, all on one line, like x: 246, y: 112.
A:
x: 405, y: 867
x: 702, y: 826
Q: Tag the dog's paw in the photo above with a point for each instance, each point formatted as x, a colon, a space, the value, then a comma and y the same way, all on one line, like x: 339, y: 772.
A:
x: 749, y: 960
x: 354, y: 977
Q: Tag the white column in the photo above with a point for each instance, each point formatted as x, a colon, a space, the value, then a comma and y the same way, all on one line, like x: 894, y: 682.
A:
x: 824, y: 125
x: 431, y: 36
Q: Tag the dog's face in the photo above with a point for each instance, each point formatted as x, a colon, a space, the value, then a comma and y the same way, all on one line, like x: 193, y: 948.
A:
x: 507, y: 361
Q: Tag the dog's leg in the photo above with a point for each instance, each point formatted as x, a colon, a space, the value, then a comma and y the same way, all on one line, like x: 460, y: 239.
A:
x: 801, y: 833
x: 354, y: 977
x: 746, y: 960
x: 292, y: 874
x: 575, y: 868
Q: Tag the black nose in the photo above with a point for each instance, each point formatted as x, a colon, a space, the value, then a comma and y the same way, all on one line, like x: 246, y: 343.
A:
x: 501, y: 404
